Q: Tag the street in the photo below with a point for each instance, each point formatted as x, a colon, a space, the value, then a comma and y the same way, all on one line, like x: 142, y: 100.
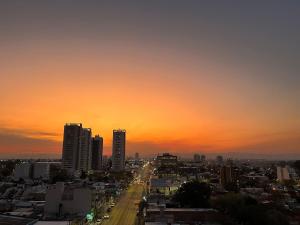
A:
x: 124, y: 213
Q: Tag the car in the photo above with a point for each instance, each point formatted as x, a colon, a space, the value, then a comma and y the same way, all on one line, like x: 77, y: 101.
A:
x: 106, y: 217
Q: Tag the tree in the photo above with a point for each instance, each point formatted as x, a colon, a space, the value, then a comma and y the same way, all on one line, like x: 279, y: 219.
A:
x: 193, y: 194
x: 246, y: 210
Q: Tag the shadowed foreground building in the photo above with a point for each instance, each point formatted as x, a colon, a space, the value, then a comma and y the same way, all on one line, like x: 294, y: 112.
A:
x: 70, y: 200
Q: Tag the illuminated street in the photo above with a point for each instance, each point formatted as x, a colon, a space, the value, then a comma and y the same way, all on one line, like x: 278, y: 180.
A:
x: 126, y: 209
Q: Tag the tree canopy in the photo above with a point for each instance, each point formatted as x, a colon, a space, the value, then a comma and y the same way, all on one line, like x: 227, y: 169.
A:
x: 246, y: 210
x: 193, y: 194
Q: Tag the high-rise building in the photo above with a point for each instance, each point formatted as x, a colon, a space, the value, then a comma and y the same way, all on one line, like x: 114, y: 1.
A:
x: 97, y: 152
x: 118, y: 150
x: 105, y: 161
x: 203, y: 158
x: 137, y: 156
x: 227, y: 175
x: 85, y: 150
x: 283, y: 173
x: 167, y: 159
x: 71, y: 146
x: 76, y: 148
x: 197, y: 158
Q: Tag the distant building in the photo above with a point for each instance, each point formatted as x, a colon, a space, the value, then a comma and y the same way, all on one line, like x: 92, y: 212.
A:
x: 167, y: 159
x: 118, y: 150
x: 227, y: 175
x: 136, y: 156
x: 23, y: 170
x: 283, y: 173
x: 97, y: 152
x: 219, y: 159
x: 197, y: 158
x: 71, y: 146
x: 203, y: 158
x: 41, y: 170
x: 163, y: 186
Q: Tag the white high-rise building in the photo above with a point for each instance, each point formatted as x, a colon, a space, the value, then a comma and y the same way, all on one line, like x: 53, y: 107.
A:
x: 118, y: 150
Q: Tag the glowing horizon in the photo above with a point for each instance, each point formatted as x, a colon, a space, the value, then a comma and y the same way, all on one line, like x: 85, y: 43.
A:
x: 202, y: 87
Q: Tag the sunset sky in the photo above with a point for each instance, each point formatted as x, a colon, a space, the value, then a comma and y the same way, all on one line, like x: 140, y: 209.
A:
x: 179, y: 76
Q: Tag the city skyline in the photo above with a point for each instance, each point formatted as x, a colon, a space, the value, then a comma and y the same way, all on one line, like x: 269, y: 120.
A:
x: 203, y: 78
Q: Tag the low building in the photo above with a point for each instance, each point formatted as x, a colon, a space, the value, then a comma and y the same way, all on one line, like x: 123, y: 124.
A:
x: 166, y: 159
x: 69, y: 200
x: 162, y: 186
x: 162, y: 215
x: 23, y: 170
x: 197, y: 158
x: 41, y: 170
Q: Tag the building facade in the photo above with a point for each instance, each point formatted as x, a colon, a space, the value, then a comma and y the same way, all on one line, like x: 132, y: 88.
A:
x: 23, y: 170
x: 118, y: 150
x: 197, y: 158
x: 282, y: 173
x: 69, y: 200
x: 166, y: 159
x: 84, y: 159
x: 71, y: 146
x: 97, y: 152
x: 77, y: 146
x: 41, y: 170
x: 227, y: 175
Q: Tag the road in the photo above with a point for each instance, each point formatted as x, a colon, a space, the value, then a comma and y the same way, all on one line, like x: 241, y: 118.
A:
x: 124, y: 213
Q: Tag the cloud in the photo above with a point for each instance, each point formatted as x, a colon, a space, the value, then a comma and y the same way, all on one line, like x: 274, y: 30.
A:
x: 28, y: 132
x: 14, y: 143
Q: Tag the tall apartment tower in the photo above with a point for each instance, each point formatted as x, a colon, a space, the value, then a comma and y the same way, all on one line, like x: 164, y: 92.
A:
x: 118, y: 150
x: 97, y: 152
x: 84, y: 160
x: 71, y: 146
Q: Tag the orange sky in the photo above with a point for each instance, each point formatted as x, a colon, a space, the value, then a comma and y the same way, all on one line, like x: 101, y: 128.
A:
x: 171, y: 91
